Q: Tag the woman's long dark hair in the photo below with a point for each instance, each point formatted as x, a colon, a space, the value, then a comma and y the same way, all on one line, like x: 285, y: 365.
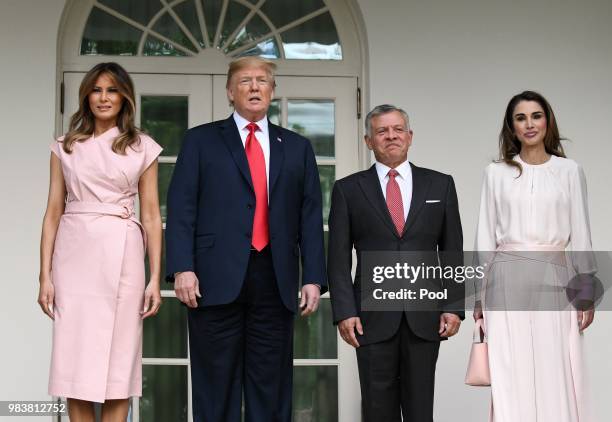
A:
x: 510, y: 146
x: 82, y: 123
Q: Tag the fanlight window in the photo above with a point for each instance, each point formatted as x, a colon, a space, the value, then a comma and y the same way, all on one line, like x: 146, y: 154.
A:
x: 276, y: 29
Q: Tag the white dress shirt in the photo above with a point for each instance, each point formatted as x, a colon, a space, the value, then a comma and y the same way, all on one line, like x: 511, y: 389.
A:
x: 262, y: 136
x: 404, y: 180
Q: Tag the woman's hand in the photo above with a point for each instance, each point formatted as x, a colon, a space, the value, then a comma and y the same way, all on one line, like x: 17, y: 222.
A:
x: 152, y: 300
x: 477, y: 311
x: 585, y: 318
x: 46, y: 296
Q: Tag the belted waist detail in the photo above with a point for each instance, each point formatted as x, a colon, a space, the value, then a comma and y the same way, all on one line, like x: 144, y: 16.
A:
x: 553, y: 254
x: 125, y: 212
x: 530, y: 247
x: 102, y: 208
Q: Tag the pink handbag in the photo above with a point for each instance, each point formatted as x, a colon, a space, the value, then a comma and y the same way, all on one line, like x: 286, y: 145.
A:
x: 478, y: 374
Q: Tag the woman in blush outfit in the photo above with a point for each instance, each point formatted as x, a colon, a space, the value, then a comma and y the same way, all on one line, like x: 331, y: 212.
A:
x: 92, y: 274
x: 533, y: 211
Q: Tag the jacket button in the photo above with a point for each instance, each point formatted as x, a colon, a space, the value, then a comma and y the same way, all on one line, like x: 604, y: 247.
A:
x: 250, y: 206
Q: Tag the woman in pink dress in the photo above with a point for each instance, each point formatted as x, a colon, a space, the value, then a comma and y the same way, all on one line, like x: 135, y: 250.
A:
x: 533, y: 212
x: 92, y: 275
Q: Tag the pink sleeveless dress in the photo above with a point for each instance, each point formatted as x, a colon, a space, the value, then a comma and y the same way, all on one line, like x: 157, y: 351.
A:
x: 98, y: 271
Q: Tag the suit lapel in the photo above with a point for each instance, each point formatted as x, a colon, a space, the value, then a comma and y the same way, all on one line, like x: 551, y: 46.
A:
x: 370, y: 184
x: 232, y: 139
x: 277, y: 154
x: 420, y: 188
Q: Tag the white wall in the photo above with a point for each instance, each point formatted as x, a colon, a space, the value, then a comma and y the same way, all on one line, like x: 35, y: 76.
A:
x: 453, y: 65
x: 28, y: 33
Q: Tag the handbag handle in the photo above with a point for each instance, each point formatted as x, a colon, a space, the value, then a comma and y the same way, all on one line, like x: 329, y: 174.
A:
x: 479, y: 333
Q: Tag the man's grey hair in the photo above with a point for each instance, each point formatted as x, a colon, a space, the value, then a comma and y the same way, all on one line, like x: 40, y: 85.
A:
x: 384, y: 109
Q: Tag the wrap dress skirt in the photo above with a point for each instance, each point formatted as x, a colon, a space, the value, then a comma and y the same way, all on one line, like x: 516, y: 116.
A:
x: 98, y: 271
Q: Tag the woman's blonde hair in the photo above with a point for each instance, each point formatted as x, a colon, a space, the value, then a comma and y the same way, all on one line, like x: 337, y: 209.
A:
x: 82, y: 123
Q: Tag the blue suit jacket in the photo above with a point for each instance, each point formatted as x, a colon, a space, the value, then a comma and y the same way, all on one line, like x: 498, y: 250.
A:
x: 211, y: 205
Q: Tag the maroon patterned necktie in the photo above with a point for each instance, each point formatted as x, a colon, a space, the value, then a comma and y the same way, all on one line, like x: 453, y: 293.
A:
x: 394, y: 202
x: 257, y: 166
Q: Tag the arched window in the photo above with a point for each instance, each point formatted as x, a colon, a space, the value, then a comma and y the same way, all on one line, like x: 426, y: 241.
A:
x: 275, y: 29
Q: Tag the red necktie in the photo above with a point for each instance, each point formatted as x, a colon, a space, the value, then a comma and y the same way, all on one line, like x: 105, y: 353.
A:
x: 394, y: 202
x: 257, y: 165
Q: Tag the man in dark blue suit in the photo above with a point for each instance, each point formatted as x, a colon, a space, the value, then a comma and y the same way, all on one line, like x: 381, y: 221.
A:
x: 244, y: 205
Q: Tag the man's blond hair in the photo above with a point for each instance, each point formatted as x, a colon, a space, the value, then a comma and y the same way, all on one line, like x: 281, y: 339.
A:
x: 250, y: 61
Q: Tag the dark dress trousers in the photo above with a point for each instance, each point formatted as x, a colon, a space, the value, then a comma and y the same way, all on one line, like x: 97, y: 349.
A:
x: 398, y: 350
x: 241, y: 333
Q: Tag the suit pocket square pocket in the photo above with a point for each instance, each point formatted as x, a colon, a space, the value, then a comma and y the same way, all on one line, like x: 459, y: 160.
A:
x: 432, y: 201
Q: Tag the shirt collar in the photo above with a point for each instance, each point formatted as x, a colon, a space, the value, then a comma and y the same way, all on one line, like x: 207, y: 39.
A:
x: 241, y: 122
x: 403, y: 169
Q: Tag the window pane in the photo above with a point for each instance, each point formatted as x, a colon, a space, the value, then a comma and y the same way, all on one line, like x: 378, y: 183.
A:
x: 314, y: 39
x: 164, y: 393
x: 163, y: 181
x: 253, y: 30
x: 212, y: 11
x: 327, y: 174
x: 280, y: 15
x: 315, y: 393
x: 167, y: 26
x: 165, y: 334
x: 139, y: 10
x: 234, y: 15
x: 165, y: 118
x: 105, y: 34
x: 156, y: 47
x: 274, y: 112
x: 314, y: 119
x: 189, y: 15
x: 267, y: 49
x: 315, y: 336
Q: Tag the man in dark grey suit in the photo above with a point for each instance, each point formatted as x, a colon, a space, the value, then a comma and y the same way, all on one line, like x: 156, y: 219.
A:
x: 393, y: 206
